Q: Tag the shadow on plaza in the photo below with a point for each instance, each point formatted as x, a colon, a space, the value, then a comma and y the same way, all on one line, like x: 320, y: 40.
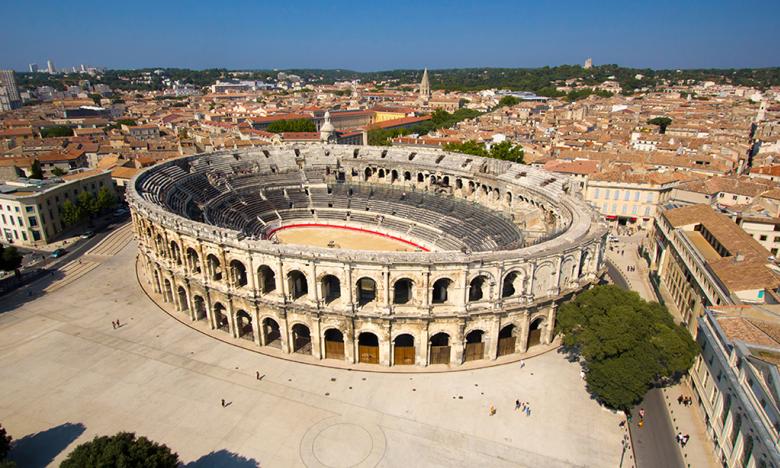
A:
x: 16, y: 292
x: 223, y: 458
x: 40, y: 449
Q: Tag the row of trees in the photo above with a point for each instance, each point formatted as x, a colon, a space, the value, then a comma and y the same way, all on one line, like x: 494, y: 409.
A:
x: 293, y: 125
x: 439, y: 119
x: 87, y: 206
x: 505, y: 151
x: 627, y: 344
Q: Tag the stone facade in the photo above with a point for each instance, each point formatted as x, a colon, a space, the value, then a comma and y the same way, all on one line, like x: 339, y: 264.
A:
x: 387, y: 308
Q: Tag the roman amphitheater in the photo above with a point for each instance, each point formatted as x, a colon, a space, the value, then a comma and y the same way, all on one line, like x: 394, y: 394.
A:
x: 384, y: 256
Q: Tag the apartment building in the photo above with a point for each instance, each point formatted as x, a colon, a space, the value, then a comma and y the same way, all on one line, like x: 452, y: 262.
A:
x: 736, y: 383
x: 700, y: 258
x: 30, y: 210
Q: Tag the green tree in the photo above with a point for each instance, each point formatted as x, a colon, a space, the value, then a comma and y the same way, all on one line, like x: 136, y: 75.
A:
x: 56, y: 131
x: 106, y: 199
x: 506, y: 151
x: 71, y: 213
x: 661, y: 123
x: 35, y: 171
x: 627, y: 344
x: 96, y: 98
x: 86, y: 201
x: 10, y: 259
x: 123, y: 450
x: 58, y: 171
x: 293, y: 125
x: 508, y: 101
x: 467, y: 147
x: 5, y: 439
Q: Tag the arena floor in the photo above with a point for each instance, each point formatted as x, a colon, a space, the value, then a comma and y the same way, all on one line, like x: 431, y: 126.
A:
x: 66, y: 376
x: 318, y: 236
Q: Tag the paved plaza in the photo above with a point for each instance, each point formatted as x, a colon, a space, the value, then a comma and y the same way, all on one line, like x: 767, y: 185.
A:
x: 66, y: 375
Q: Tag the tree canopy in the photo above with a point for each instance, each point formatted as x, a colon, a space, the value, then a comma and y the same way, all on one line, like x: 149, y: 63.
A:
x: 628, y: 344
x: 36, y: 172
x: 293, y: 125
x: 56, y: 131
x: 10, y: 258
x: 505, y: 150
x: 661, y: 122
x: 123, y: 450
x: 508, y: 101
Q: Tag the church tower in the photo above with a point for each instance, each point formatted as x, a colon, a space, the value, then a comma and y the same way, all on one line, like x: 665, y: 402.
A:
x: 425, y: 87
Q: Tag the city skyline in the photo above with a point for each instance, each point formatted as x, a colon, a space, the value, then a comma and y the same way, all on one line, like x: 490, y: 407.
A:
x: 373, y: 38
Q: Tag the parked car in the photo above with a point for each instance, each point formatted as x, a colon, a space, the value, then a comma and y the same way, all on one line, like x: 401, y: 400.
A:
x: 58, y: 253
x: 87, y: 234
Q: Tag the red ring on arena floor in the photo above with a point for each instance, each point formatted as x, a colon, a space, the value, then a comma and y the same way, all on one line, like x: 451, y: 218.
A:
x: 349, y: 228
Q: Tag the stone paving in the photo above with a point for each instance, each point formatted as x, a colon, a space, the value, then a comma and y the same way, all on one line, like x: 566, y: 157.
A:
x: 66, y: 376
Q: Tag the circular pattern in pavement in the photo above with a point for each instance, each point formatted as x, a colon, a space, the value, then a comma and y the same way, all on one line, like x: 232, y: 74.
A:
x: 339, y: 443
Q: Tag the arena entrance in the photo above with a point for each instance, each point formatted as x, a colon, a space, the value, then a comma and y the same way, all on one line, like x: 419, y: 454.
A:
x: 220, y: 318
x: 244, y: 325
x: 403, y: 350
x: 368, y: 348
x: 507, y: 340
x: 271, y: 334
x: 475, y: 348
x: 440, y: 349
x: 535, y: 332
x: 301, y: 338
x: 334, y: 344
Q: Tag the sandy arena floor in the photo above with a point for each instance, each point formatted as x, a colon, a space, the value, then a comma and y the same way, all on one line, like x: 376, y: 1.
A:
x: 345, y: 239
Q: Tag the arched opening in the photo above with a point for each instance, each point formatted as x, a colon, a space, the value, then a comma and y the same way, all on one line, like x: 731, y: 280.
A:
x: 508, y: 198
x: 271, y: 335
x: 402, y: 291
x: 445, y: 181
x: 368, y: 348
x: 420, y: 177
x: 477, y: 288
x: 160, y: 245
x: 440, y: 290
x: 459, y: 184
x: 407, y: 176
x: 331, y: 288
x: 244, y: 325
x: 157, y: 287
x: 168, y: 292
x: 238, y: 274
x: 200, y: 308
x: 175, y: 252
x: 584, y: 258
x: 183, y: 303
x: 367, y: 173
x: 366, y: 291
x: 440, y: 349
x: 193, y: 261
x: 334, y: 344
x: 267, y: 279
x: 215, y: 268
x: 475, y: 348
x: 221, y: 318
x: 297, y: 284
x: 393, y: 176
x: 507, y: 340
x: 512, y: 284
x: 403, y: 350
x: 381, y: 173
x: 535, y: 332
x: 301, y: 338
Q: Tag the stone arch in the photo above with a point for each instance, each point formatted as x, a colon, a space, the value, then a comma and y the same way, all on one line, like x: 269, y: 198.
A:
x: 441, y: 291
x: 157, y: 284
x: 407, y: 176
x: 475, y: 345
x: 301, y: 338
x: 271, y: 333
x: 367, y: 174
x: 440, y: 348
x: 244, y: 325
x: 569, y: 268
x: 420, y: 177
x: 508, y: 198
x: 331, y: 288
x: 393, y: 176
x: 585, y: 257
x: 167, y: 290
x: 221, y: 319
x: 214, y: 267
x: 513, y: 283
x: 368, y: 347
x: 403, y: 291
x: 507, y: 339
x: 403, y: 350
x: 365, y: 289
x: 266, y: 279
x: 182, y: 296
x: 334, y: 343
x: 160, y: 246
x: 298, y: 285
x: 535, y: 329
x: 175, y: 252
x: 543, y: 279
x: 478, y: 288
x: 193, y: 260
x: 199, y: 304
x: 238, y: 276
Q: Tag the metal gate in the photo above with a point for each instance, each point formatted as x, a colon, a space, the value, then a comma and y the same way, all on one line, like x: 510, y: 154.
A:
x: 474, y: 351
x: 440, y: 354
x: 506, y: 345
x: 334, y: 349
x: 403, y: 355
x: 368, y: 354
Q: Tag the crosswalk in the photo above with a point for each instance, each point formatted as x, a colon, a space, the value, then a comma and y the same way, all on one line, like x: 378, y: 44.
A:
x: 113, y: 243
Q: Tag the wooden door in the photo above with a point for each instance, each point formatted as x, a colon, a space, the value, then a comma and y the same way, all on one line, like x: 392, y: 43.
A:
x: 474, y: 351
x: 534, y: 337
x: 334, y: 349
x: 403, y: 356
x: 440, y: 354
x: 506, y: 346
x: 368, y: 354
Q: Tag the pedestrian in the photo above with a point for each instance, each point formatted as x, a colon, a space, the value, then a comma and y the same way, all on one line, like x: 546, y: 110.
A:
x: 680, y: 399
x: 641, y: 423
x: 517, y: 405
x: 685, y: 440
x: 257, y: 375
x: 582, y: 374
x: 528, y: 411
x: 492, y: 410
x: 113, y: 324
x: 522, y: 363
x: 641, y: 413
x: 223, y: 402
x: 679, y: 437
x: 117, y: 323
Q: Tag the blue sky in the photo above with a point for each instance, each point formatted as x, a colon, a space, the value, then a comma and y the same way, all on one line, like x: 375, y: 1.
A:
x: 373, y: 35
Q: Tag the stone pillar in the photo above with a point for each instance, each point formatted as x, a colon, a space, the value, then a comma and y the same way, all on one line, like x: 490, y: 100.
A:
x: 209, y: 311
x: 422, y: 348
x: 550, y: 328
x: 491, y: 343
x: 457, y: 347
x: 315, y: 332
x: 385, y: 345
x: 256, y: 325
x: 524, y: 330
x: 350, y: 342
x: 284, y: 335
x: 313, y: 291
x: 231, y: 318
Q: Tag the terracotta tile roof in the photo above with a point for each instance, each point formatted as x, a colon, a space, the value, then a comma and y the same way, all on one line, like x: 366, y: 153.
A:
x: 399, y: 122
x: 124, y: 172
